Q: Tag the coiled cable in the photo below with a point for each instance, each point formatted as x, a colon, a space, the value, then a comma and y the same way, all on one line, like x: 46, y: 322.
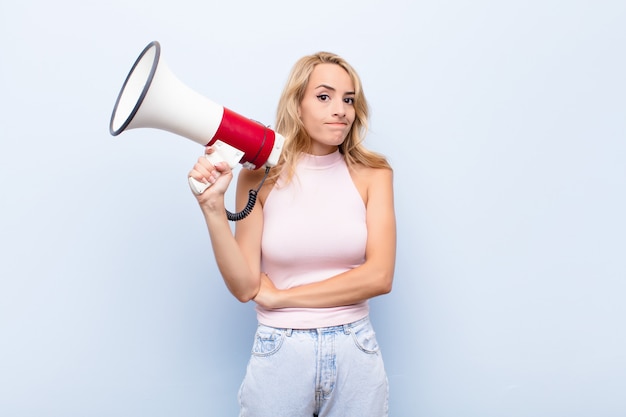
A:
x: 252, y: 196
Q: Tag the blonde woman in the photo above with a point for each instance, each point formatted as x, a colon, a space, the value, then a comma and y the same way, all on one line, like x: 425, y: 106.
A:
x: 320, y: 242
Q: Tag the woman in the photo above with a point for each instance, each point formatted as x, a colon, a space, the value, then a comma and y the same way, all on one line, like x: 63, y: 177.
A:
x: 318, y: 245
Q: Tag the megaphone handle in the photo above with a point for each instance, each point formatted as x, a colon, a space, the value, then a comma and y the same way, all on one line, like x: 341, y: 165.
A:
x: 222, y: 152
x: 197, y: 187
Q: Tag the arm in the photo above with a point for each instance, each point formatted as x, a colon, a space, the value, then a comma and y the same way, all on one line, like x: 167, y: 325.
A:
x: 238, y: 256
x: 374, y: 277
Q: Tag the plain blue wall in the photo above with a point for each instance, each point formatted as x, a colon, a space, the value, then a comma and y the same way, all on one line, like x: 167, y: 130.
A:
x: 504, y: 121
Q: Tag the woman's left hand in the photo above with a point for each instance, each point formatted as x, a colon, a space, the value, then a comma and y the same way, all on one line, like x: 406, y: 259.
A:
x: 267, y: 297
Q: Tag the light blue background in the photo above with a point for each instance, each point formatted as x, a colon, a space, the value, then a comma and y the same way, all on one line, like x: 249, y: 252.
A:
x: 504, y: 121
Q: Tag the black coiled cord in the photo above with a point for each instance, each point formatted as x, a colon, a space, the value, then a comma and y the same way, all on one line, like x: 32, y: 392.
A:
x: 252, y: 195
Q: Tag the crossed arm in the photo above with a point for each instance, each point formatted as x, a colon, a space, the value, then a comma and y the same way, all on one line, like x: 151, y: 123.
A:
x: 374, y: 277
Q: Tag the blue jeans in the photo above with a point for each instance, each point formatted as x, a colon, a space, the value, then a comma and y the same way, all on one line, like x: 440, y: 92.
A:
x: 329, y: 372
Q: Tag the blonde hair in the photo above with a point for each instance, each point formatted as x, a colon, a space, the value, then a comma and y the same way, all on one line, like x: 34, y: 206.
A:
x: 297, y: 140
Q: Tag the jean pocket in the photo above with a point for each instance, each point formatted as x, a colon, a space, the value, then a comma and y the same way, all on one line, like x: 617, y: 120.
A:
x: 267, y: 341
x: 365, y: 338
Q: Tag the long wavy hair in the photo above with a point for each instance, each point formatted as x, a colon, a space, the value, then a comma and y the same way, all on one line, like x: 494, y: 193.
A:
x: 298, y: 141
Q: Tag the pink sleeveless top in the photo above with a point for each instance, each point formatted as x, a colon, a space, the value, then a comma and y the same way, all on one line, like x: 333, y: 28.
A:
x: 314, y: 228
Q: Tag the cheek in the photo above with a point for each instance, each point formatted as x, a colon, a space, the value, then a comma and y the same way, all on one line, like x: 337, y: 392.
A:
x: 306, y: 121
x: 309, y: 119
x: 352, y: 118
x: 304, y: 114
x: 351, y: 115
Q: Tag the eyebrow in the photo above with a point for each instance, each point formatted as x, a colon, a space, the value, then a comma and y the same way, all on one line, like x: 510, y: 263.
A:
x: 328, y: 87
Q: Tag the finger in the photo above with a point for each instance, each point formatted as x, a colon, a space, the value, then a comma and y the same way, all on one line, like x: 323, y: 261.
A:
x: 203, y: 161
x: 204, y: 167
x: 198, y: 176
x: 222, y: 167
x: 207, y: 168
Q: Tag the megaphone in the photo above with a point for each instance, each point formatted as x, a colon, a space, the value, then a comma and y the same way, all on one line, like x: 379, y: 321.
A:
x: 153, y: 97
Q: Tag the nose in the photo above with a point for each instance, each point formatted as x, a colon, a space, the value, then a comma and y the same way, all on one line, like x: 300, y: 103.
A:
x: 339, y: 109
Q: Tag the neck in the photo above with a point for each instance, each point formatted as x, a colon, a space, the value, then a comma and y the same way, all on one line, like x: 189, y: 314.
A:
x: 321, y: 150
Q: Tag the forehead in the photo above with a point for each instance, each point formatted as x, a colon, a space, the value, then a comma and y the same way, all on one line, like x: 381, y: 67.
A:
x: 331, y: 75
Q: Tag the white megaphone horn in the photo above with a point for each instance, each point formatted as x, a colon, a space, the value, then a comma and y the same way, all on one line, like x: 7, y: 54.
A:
x: 152, y: 97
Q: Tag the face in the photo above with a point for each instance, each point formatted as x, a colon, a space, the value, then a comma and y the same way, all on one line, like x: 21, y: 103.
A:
x: 327, y: 108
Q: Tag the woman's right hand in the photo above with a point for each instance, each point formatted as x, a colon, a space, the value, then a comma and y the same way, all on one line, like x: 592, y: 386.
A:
x: 218, y: 176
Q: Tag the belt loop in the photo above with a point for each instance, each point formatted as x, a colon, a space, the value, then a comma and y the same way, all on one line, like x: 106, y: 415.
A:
x: 346, y: 328
x: 288, y: 332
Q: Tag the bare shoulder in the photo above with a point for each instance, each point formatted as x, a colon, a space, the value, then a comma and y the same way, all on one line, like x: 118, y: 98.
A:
x: 364, y: 171
x: 249, y: 176
x: 370, y: 180
x: 249, y: 179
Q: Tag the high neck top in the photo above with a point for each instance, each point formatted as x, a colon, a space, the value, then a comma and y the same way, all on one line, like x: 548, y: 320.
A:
x: 309, y: 161
x: 313, y: 228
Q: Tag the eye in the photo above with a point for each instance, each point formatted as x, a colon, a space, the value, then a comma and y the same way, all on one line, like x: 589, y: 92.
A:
x: 349, y: 100
x: 323, y: 97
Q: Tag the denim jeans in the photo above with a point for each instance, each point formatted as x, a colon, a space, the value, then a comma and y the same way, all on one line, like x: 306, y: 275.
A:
x: 328, y: 372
